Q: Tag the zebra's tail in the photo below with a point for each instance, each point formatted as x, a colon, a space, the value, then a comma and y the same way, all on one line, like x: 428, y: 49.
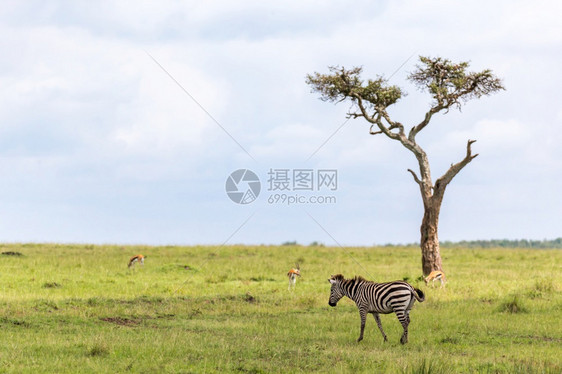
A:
x: 419, y: 295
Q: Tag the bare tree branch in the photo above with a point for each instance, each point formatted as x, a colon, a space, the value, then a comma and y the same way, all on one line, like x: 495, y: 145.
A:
x: 416, y: 129
x: 353, y: 115
x: 441, y: 183
x: 376, y: 120
x: 374, y: 132
x: 418, y: 181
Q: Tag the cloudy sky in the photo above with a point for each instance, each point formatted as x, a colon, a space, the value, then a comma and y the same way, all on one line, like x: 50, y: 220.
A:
x: 121, y: 121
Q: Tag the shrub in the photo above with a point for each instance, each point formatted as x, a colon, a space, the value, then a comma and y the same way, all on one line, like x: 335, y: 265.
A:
x: 51, y: 285
x: 541, y: 288
x: 512, y: 305
x: 98, y: 350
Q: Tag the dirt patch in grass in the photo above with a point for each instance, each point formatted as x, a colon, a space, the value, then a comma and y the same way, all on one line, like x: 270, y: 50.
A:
x: 12, y: 253
x: 122, y: 321
x: 249, y: 298
x: 450, y: 340
x: 543, y: 338
x: 52, y: 285
x: 13, y: 322
x: 45, y: 306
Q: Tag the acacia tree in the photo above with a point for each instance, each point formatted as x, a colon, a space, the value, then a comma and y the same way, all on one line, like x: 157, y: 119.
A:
x: 450, y: 85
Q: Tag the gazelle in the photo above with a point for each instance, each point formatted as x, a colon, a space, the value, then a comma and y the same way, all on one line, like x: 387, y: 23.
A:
x: 436, y: 274
x: 293, y: 274
x: 135, y: 259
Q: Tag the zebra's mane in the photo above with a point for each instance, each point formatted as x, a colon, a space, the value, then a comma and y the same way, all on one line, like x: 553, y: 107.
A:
x: 359, y: 278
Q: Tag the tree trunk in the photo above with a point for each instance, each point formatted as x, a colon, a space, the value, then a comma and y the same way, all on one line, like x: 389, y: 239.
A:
x: 429, y: 243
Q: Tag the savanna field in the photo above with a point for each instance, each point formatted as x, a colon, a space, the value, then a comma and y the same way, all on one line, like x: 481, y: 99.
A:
x: 78, y: 308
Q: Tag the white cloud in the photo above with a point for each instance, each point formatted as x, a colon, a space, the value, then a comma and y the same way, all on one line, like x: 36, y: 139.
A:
x: 91, y: 123
x: 161, y: 117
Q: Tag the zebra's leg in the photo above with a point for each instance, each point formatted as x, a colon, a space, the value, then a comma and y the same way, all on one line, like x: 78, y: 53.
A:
x: 363, y: 314
x: 404, y: 320
x: 379, y: 324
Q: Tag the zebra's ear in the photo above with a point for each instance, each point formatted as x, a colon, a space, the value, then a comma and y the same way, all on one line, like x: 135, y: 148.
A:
x: 332, y: 281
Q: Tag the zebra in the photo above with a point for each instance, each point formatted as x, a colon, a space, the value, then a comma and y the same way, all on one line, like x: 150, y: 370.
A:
x: 375, y: 298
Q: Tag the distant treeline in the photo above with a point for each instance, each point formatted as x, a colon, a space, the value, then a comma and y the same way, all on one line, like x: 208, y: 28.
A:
x: 495, y: 243
x: 505, y: 243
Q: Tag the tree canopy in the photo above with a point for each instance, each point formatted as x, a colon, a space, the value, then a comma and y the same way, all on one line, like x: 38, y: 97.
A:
x: 448, y: 83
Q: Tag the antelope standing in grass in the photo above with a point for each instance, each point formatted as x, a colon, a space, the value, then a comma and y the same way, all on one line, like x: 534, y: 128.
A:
x: 375, y: 298
x: 436, y: 274
x: 293, y: 274
x: 135, y: 259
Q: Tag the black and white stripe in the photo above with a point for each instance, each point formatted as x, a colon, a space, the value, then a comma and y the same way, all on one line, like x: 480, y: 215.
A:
x: 377, y: 298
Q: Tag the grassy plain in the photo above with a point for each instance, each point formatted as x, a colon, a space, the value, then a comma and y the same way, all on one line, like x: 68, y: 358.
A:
x: 77, y: 308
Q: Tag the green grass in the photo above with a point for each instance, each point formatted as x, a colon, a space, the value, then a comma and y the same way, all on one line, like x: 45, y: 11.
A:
x: 77, y: 308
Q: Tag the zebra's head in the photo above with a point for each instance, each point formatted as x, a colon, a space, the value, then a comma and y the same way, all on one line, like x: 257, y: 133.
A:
x: 336, y: 293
